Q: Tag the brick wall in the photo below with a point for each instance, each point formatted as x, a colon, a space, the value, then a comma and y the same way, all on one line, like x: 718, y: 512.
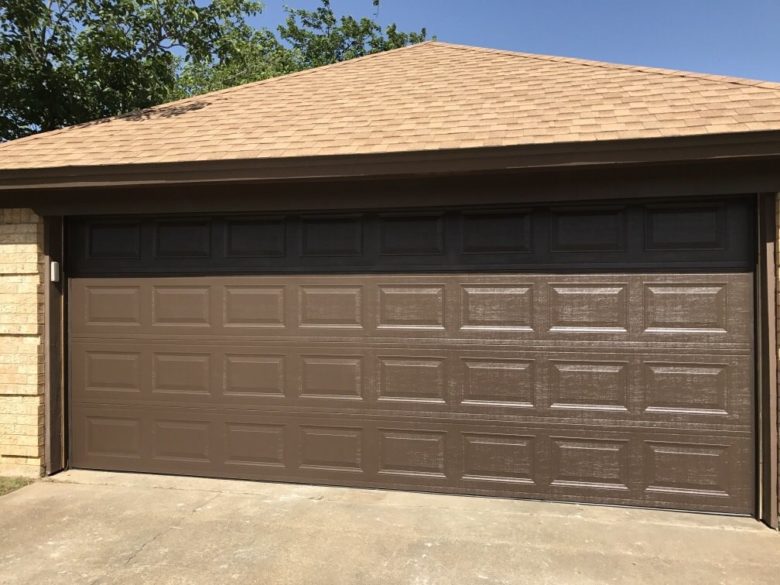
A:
x: 21, y: 343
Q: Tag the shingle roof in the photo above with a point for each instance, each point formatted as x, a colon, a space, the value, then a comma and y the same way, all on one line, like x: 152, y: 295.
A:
x: 426, y: 97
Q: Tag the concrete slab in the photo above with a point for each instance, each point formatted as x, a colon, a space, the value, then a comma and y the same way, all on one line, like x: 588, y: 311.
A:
x: 101, y: 528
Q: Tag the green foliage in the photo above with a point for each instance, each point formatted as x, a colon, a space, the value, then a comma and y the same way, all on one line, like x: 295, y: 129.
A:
x: 317, y: 37
x: 256, y: 55
x: 309, y: 38
x: 68, y: 61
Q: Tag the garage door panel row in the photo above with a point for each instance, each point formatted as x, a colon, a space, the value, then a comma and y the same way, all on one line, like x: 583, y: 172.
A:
x: 516, y: 238
x: 695, y: 388
x: 685, y: 308
x: 686, y: 470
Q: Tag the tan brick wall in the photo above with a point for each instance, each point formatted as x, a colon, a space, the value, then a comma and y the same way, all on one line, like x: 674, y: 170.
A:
x: 21, y: 343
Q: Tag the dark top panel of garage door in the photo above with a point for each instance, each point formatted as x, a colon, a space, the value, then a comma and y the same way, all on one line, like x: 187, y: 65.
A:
x: 701, y: 235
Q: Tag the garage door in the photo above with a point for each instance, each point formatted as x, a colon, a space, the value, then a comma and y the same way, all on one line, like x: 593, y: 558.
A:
x: 599, y: 353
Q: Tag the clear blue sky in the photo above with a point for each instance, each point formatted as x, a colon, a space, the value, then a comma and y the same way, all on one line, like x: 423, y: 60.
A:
x: 729, y: 37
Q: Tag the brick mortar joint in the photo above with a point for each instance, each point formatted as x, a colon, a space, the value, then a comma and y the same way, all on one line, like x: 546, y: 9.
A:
x: 22, y: 278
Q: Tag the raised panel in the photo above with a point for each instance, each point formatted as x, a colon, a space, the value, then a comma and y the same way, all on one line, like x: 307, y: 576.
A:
x: 329, y: 448
x: 712, y: 234
x: 589, y: 385
x: 591, y: 308
x: 254, y: 306
x: 504, y: 458
x: 113, y: 305
x: 318, y: 367
x: 499, y: 382
x: 115, y: 241
x: 588, y: 231
x: 402, y: 378
x: 324, y: 236
x: 254, y: 375
x: 182, y: 374
x: 589, y: 463
x: 331, y: 306
x: 113, y: 437
x: 415, y: 453
x: 183, y: 239
x: 490, y: 233
x: 185, y: 441
x: 112, y: 371
x: 411, y: 235
x: 255, y: 238
x: 412, y: 307
x: 331, y: 377
x: 687, y: 468
x: 254, y: 444
x: 180, y: 305
x: 685, y: 307
x: 681, y: 228
x: 496, y: 307
x: 686, y: 388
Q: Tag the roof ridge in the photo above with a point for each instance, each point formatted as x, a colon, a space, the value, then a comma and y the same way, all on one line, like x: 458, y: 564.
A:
x: 226, y: 90
x: 745, y: 81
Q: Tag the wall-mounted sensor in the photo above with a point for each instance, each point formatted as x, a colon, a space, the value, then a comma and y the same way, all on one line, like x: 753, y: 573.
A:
x: 54, y: 271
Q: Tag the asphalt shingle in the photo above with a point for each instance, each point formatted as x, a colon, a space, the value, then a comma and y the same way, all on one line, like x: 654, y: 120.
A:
x: 429, y: 96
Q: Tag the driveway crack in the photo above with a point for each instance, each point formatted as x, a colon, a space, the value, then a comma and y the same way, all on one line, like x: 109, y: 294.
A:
x: 173, y: 526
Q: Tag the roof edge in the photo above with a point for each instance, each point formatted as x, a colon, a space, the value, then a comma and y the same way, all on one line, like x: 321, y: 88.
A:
x: 736, y: 145
x: 666, y: 71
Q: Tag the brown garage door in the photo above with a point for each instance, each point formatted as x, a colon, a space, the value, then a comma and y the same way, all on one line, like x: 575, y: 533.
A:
x: 599, y: 354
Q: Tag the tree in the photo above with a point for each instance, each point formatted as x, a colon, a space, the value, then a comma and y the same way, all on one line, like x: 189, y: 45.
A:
x: 255, y: 55
x: 309, y: 38
x: 317, y: 37
x: 68, y: 61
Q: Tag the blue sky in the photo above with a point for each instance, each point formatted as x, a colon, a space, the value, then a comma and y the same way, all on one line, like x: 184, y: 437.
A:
x: 729, y: 37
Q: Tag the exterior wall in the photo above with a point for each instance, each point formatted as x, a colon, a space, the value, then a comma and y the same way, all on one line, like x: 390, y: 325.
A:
x: 21, y: 343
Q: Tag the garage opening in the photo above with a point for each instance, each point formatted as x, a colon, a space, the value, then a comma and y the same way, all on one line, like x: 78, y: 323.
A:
x: 597, y: 353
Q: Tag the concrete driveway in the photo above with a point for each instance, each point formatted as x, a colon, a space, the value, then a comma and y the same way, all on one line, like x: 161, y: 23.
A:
x: 92, y: 527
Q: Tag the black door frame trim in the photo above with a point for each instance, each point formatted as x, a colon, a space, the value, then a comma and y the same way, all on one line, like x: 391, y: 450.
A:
x: 766, y: 360
x: 56, y: 432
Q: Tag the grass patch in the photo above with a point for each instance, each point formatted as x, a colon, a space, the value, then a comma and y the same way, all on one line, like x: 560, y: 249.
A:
x: 9, y: 484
